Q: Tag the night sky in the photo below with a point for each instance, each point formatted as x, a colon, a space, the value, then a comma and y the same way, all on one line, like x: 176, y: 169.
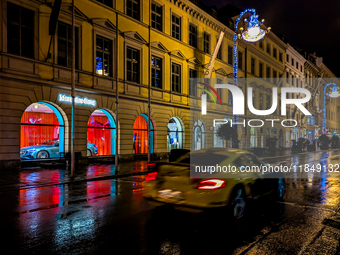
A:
x: 311, y: 25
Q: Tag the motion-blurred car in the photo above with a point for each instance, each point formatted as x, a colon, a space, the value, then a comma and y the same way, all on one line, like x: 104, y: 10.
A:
x: 176, y: 153
x: 50, y: 149
x: 170, y: 183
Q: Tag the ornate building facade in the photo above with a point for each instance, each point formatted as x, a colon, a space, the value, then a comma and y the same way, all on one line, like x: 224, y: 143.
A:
x: 35, y: 78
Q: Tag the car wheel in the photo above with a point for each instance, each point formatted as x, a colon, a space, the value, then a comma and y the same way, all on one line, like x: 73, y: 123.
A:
x: 238, y: 203
x: 89, y: 154
x: 43, y: 154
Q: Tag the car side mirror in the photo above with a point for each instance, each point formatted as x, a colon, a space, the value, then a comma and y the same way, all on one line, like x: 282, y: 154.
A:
x: 56, y: 145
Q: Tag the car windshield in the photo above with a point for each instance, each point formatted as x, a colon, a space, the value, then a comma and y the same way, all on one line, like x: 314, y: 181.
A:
x: 246, y: 159
x: 202, y: 159
x: 50, y: 142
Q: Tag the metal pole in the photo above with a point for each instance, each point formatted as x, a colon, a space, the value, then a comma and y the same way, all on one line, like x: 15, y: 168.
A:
x: 117, y: 93
x: 246, y: 95
x: 149, y: 85
x: 73, y: 92
x: 208, y: 72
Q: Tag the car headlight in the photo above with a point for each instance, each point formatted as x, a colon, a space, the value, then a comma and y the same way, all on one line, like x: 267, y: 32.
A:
x: 22, y: 152
x: 30, y: 151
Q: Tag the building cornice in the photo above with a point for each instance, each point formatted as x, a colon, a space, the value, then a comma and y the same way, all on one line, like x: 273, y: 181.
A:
x: 295, y: 53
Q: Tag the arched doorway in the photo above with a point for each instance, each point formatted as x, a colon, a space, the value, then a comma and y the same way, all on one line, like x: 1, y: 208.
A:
x: 252, y: 137
x: 199, y: 135
x: 175, y: 134
x: 101, y: 134
x: 42, y: 134
x: 281, y: 137
x: 140, y: 135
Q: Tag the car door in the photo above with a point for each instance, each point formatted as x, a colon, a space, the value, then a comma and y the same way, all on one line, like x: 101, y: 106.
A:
x: 259, y: 185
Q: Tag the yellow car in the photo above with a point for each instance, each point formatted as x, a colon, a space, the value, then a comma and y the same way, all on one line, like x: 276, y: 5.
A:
x: 170, y: 183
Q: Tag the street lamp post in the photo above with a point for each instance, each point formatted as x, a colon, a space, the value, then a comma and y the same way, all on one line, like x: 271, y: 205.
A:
x: 334, y: 94
x: 253, y: 34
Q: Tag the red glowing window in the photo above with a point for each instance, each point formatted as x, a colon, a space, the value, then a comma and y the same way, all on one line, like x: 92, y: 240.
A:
x: 140, y: 135
x: 101, y: 133
x: 41, y: 130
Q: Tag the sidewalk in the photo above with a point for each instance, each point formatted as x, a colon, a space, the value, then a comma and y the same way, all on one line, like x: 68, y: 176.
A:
x: 37, y: 176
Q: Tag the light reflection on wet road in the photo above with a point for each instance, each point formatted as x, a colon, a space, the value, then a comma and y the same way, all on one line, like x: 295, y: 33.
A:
x: 110, y: 216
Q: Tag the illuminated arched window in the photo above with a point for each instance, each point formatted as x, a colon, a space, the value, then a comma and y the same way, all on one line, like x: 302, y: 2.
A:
x: 42, y: 132
x: 175, y: 134
x: 140, y: 135
x: 199, y: 135
x: 101, y: 134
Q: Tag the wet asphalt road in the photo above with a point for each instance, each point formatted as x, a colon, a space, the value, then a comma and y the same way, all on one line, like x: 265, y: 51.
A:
x: 111, y: 217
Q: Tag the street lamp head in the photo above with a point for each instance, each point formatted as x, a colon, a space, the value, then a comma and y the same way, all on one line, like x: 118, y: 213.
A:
x: 254, y: 33
x: 334, y: 93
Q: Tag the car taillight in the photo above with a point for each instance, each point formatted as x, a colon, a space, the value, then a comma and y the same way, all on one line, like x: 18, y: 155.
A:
x: 151, y: 165
x: 211, y: 184
x: 151, y: 176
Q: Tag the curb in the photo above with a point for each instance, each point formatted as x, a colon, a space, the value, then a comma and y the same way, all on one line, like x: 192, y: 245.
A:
x: 75, y: 181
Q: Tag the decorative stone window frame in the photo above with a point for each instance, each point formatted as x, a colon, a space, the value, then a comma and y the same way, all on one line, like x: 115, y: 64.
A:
x: 65, y: 16
x: 163, y: 14
x: 177, y: 57
x: 230, y: 46
x: 261, y: 90
x: 268, y: 75
x: 221, y: 48
x: 193, y: 64
x: 221, y: 74
x: 268, y: 45
x: 190, y: 22
x: 134, y: 40
x: 280, y: 53
x: 104, y: 28
x: 263, y: 69
x: 238, y: 60
x: 172, y: 12
x: 261, y: 44
x: 277, y: 53
x: 210, y: 44
x: 159, y: 50
x: 141, y: 8
x: 268, y: 94
x: 252, y: 57
x: 28, y: 5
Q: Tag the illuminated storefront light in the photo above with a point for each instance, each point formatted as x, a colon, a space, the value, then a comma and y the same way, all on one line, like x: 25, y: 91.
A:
x: 77, y: 100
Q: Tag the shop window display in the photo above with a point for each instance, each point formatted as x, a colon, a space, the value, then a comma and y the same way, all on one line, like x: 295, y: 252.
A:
x: 175, y: 134
x: 101, y: 134
x: 140, y: 135
x: 42, y: 132
x: 199, y: 135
